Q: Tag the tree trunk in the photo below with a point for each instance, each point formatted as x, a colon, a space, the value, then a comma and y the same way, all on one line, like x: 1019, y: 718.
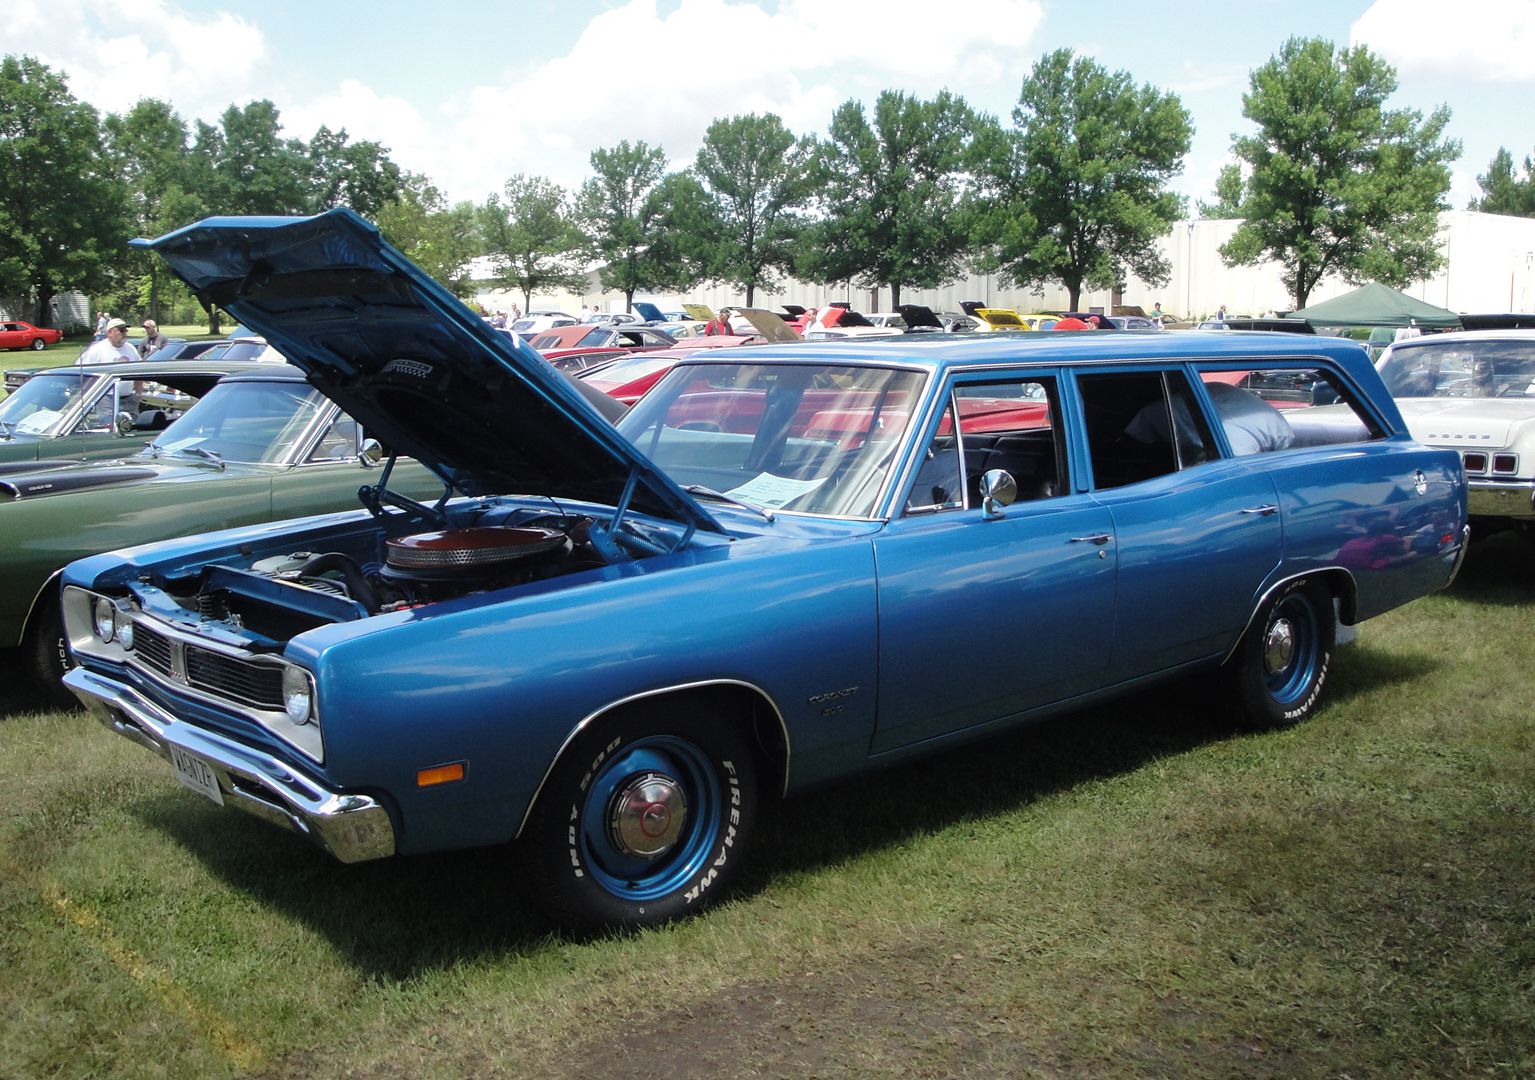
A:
x: 1075, y: 294
x: 895, y: 296
x: 44, y: 313
x: 751, y: 292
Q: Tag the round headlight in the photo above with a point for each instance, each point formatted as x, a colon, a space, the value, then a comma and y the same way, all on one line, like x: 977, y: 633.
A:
x: 124, y: 630
x: 103, y: 618
x: 297, y: 695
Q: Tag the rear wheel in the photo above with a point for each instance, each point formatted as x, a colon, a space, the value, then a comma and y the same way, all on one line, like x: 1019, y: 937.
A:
x: 643, y: 819
x: 1280, y: 667
x: 37, y: 344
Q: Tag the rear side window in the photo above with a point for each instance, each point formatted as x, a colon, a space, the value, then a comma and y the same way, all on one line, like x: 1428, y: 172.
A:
x: 1280, y: 408
x: 1140, y: 425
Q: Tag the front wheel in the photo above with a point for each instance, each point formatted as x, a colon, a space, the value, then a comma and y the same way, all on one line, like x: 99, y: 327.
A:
x: 1280, y: 667
x: 48, y: 656
x: 644, y: 819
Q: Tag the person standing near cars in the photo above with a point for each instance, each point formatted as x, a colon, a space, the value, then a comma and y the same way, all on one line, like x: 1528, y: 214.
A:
x: 112, y: 348
x: 153, y: 339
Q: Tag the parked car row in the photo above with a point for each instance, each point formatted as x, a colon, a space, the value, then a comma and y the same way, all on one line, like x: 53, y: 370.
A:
x: 786, y: 564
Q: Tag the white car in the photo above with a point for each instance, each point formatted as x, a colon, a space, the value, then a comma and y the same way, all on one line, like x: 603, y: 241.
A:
x: 1474, y: 392
x: 537, y: 321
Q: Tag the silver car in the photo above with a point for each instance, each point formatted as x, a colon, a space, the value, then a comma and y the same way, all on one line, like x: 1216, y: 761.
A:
x: 1474, y: 392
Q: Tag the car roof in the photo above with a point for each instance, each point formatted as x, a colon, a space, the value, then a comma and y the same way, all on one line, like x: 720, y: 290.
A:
x: 940, y: 352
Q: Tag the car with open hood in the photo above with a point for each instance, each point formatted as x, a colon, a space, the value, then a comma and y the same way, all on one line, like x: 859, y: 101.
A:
x: 1473, y: 392
x: 787, y: 564
x: 259, y: 444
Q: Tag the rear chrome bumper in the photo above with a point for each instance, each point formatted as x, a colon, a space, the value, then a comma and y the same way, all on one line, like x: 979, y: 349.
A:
x: 353, y: 828
x: 1500, y: 498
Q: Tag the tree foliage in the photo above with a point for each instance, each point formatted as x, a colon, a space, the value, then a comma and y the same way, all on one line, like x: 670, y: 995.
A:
x: 627, y: 212
x: 354, y: 174
x: 533, y: 237
x: 1502, y: 191
x: 891, y: 194
x: 439, y: 238
x: 1336, y: 183
x: 1077, y: 189
x: 243, y: 165
x: 63, y: 212
x: 759, y: 179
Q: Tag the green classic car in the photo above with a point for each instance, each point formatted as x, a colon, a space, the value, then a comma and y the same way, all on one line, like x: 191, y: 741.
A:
x: 261, y: 445
x: 93, y: 411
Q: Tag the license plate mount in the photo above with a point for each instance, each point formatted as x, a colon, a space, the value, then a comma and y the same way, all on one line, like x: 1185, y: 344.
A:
x: 195, y: 773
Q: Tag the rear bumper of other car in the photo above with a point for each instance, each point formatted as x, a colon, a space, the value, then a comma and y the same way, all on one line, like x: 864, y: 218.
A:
x: 353, y: 828
x: 1500, y: 498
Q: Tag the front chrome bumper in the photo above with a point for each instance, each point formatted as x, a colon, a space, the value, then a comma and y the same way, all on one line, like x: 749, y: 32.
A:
x: 353, y: 828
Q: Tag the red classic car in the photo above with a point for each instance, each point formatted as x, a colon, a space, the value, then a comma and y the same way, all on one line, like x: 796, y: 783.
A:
x: 22, y: 335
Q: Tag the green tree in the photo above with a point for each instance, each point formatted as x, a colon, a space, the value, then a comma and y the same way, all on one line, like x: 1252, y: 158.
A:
x: 1336, y: 182
x: 359, y: 175
x: 63, y: 212
x: 1228, y: 194
x: 439, y: 238
x: 626, y: 211
x: 243, y: 165
x: 1077, y: 188
x: 1502, y: 191
x: 891, y: 195
x: 533, y: 239
x: 759, y: 179
x: 150, y: 145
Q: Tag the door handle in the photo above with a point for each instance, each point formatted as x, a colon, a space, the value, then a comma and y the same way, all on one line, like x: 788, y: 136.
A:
x: 1266, y: 510
x: 1100, y: 538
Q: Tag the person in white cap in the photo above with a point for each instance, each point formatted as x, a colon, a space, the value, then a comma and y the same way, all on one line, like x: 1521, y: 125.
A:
x: 112, y: 348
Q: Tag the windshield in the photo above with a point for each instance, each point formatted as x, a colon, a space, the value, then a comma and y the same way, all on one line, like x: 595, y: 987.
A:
x: 260, y: 422
x: 40, y: 402
x: 820, y: 439
x: 1460, y: 368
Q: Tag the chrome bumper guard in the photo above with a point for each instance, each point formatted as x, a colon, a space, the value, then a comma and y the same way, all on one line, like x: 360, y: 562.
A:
x: 1500, y: 498
x: 353, y: 828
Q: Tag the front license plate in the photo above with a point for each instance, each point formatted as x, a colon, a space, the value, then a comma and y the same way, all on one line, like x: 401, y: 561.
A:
x: 196, y: 774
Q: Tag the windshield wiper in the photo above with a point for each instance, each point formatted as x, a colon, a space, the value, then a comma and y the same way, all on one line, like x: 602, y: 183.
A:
x: 710, y: 493
x: 199, y: 451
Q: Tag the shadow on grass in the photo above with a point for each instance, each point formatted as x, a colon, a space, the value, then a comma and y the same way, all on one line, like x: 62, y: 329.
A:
x: 396, y: 918
x: 1498, y: 570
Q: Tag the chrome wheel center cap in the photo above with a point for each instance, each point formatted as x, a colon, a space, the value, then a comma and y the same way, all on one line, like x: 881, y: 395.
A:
x: 1279, y: 646
x: 647, y: 815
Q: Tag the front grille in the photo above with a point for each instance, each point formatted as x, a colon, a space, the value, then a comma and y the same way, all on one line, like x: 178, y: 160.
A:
x: 225, y: 676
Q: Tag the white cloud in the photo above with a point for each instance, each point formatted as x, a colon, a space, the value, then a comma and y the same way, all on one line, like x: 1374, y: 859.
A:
x: 1482, y: 40
x: 636, y: 74
x: 115, y: 52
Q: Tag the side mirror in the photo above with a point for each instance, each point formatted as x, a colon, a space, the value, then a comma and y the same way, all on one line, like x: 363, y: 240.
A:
x: 998, y: 489
x: 124, y: 424
x: 371, y: 454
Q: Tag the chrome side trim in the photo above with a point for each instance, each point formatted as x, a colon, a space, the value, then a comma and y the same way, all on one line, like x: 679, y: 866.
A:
x: 597, y: 714
x: 353, y: 828
x: 1465, y: 545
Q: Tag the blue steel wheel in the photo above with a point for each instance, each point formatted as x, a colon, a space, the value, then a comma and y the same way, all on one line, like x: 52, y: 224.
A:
x: 1280, y: 667
x: 644, y: 819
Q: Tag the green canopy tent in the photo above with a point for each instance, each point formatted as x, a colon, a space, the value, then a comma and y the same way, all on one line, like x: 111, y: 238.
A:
x: 1376, y: 305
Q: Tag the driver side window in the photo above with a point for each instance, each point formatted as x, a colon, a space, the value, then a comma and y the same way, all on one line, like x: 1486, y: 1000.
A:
x: 1008, y: 425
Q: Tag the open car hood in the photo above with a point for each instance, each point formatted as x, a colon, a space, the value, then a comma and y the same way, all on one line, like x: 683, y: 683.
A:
x: 419, y: 370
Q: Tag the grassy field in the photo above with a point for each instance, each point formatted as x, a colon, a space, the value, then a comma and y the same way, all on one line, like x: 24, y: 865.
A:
x: 1131, y: 891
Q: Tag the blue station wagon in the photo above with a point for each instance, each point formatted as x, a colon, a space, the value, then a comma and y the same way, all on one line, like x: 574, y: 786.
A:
x: 786, y: 565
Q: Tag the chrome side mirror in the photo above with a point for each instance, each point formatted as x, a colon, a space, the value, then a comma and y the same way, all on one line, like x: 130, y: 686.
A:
x: 371, y: 454
x: 998, y: 489
x: 124, y: 424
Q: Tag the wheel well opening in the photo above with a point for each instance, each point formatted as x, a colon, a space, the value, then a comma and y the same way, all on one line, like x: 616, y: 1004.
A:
x: 735, y: 704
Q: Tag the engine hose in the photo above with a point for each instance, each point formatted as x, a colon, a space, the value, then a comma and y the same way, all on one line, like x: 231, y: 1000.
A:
x: 357, y: 585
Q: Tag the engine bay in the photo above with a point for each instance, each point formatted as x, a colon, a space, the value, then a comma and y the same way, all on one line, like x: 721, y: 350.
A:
x: 277, y: 596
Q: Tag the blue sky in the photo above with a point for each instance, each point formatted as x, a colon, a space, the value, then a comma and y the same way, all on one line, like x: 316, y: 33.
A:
x: 472, y: 92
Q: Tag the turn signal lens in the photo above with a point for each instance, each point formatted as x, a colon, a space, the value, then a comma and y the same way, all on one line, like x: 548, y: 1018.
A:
x: 440, y: 774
